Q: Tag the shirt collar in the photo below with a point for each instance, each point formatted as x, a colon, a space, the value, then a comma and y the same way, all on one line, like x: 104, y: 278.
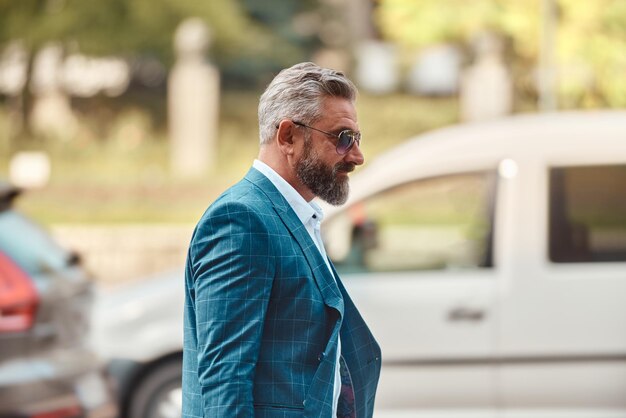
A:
x: 303, y: 209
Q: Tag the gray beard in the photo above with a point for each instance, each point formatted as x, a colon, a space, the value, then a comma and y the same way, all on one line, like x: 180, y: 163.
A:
x: 322, y: 179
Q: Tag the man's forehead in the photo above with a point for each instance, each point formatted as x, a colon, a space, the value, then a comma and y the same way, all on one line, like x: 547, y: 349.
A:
x: 338, y: 109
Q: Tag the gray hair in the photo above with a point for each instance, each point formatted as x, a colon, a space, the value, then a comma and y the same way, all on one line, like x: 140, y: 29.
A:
x: 296, y: 93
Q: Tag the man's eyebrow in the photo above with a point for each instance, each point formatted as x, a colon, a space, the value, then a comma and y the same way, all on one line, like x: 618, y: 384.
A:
x: 343, y: 127
x: 347, y: 128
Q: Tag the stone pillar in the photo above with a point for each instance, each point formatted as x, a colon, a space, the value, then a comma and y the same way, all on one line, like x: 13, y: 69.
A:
x: 359, y: 16
x: 349, y: 35
x: 486, y: 86
x: 51, y: 115
x: 547, y: 82
x: 377, y: 67
x: 13, y: 79
x: 435, y: 71
x: 193, y: 102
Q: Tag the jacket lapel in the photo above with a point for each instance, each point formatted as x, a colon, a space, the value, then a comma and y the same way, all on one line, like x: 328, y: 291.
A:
x: 322, y: 276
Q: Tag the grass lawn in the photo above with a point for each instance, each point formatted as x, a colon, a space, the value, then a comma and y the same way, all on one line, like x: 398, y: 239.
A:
x: 125, y: 178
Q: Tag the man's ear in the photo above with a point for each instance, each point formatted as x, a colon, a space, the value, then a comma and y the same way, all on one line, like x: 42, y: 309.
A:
x: 284, y: 136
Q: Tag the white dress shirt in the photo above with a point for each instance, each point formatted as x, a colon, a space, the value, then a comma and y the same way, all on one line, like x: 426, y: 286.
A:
x: 311, y: 215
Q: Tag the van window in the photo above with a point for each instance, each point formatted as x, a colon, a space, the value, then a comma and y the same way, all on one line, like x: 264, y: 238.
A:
x: 436, y: 223
x: 587, y: 215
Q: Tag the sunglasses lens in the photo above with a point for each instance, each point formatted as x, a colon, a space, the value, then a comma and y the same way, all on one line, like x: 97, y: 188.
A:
x: 346, y: 140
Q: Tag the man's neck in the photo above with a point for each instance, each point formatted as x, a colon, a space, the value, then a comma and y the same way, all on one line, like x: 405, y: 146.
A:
x: 282, y: 168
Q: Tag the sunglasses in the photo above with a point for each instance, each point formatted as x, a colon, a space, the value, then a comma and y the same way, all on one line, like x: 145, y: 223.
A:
x: 345, y: 139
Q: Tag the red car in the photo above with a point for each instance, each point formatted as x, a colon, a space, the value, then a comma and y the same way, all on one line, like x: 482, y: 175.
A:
x: 47, y: 368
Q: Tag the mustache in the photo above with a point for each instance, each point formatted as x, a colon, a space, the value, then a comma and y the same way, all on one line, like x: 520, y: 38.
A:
x: 345, y: 167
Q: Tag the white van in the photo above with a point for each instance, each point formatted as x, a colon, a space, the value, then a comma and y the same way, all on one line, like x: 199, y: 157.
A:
x: 488, y: 259
x: 490, y: 262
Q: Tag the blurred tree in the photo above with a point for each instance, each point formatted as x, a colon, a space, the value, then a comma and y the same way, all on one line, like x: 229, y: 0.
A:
x: 146, y: 27
x: 289, y: 43
x: 251, y: 40
x: 590, y: 45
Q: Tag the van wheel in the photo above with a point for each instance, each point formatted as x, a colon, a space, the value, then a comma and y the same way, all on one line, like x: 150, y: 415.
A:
x: 159, y: 394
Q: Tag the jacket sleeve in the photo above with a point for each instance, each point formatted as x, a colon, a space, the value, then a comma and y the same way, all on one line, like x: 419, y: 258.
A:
x: 233, y: 270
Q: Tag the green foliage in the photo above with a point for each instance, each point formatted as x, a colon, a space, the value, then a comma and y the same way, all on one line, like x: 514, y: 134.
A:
x: 136, y: 27
x: 590, y: 44
x: 424, y: 22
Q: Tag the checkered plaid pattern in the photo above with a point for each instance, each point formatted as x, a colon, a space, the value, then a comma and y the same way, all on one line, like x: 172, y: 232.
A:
x: 263, y: 315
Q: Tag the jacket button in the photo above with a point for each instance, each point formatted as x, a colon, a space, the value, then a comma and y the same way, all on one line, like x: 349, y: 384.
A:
x: 320, y: 357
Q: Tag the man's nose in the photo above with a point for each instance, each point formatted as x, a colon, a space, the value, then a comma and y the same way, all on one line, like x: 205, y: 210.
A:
x: 355, y: 156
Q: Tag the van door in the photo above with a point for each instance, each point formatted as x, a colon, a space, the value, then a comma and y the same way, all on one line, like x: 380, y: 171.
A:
x: 417, y: 259
x: 563, y: 324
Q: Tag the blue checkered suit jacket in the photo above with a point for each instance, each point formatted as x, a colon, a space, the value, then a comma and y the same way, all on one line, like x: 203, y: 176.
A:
x: 263, y: 315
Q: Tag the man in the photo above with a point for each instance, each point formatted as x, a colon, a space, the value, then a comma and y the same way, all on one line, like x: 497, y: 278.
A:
x: 269, y: 328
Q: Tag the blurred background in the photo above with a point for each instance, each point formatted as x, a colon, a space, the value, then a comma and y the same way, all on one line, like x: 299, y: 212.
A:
x: 124, y: 119
x: 128, y: 117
